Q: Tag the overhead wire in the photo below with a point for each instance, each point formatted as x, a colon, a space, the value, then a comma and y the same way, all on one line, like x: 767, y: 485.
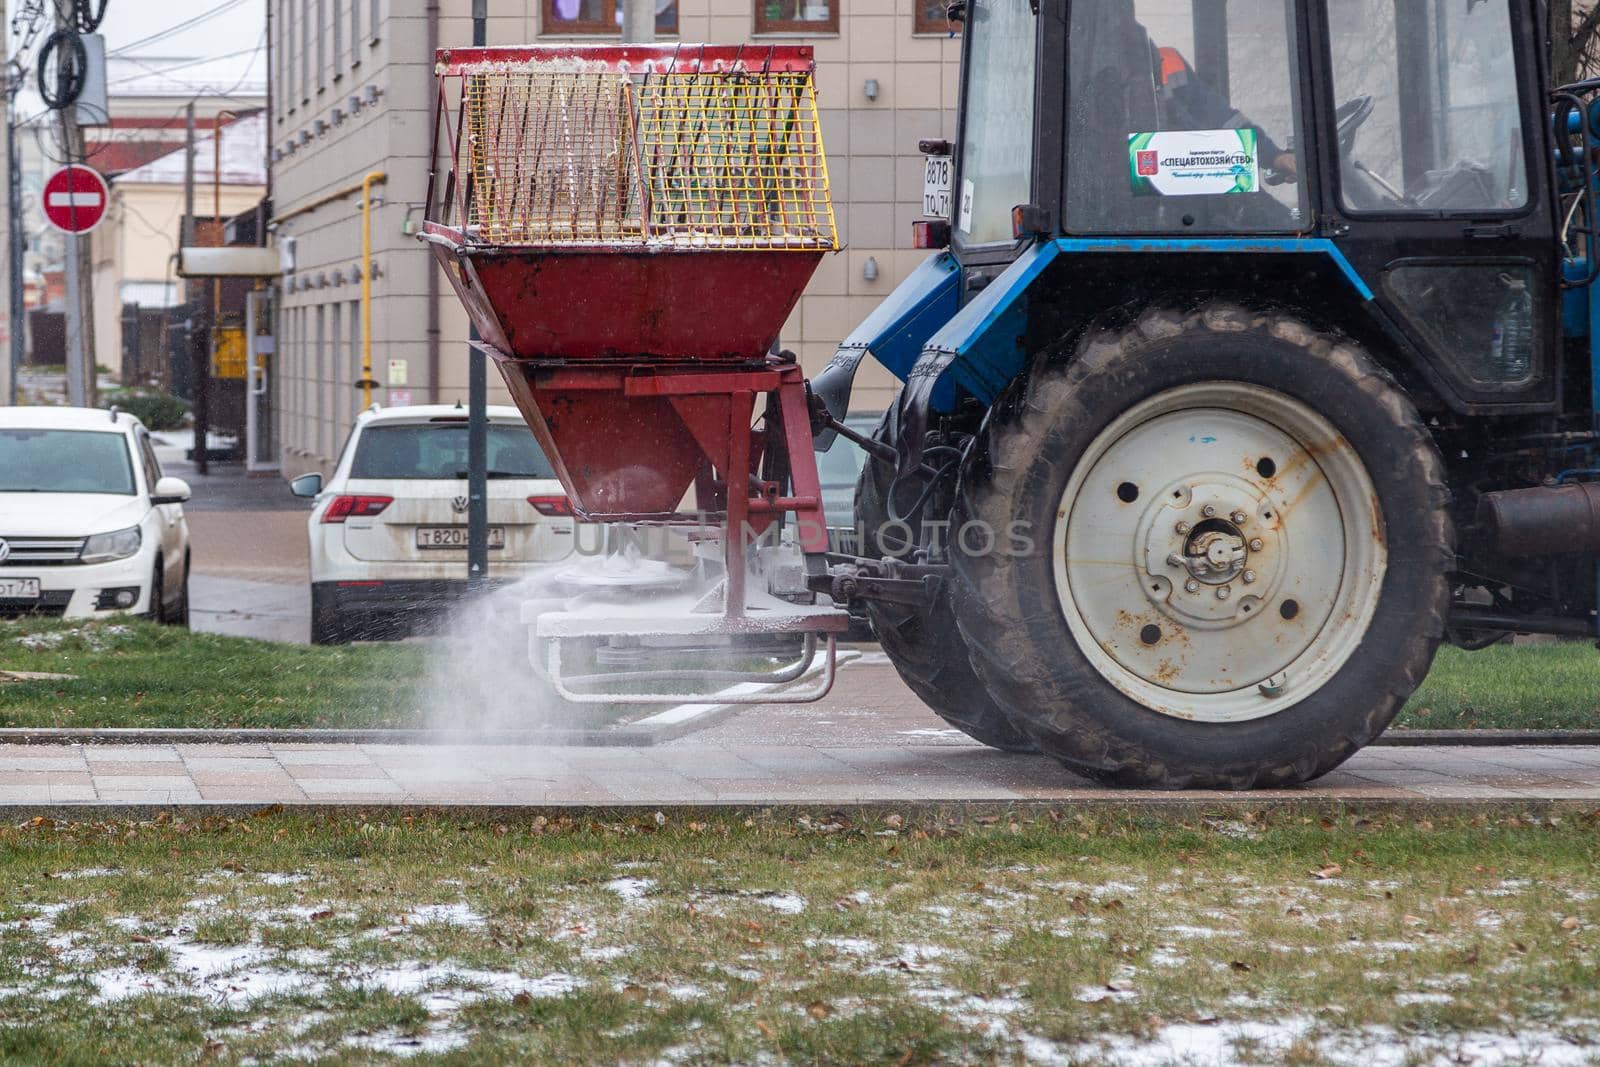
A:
x: 179, y: 27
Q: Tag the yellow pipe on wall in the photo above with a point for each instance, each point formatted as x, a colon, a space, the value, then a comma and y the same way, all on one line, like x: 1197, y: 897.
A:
x: 367, y: 382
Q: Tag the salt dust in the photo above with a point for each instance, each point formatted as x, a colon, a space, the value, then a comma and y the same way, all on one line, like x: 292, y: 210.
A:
x: 787, y: 903
x: 88, y: 872
x: 443, y: 914
x: 631, y: 888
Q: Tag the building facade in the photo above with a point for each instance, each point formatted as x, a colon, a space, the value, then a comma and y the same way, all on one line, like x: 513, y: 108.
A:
x: 352, y: 94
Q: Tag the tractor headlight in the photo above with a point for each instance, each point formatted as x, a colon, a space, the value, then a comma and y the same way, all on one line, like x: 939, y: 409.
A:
x: 105, y: 547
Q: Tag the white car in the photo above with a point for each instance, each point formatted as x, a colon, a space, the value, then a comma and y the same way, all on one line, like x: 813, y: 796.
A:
x: 88, y: 525
x: 389, y: 528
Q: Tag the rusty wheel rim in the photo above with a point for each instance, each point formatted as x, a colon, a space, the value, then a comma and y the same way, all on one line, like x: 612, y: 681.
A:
x: 1219, y: 552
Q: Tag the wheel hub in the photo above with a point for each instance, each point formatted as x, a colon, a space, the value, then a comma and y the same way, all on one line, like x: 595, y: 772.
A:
x: 1213, y: 549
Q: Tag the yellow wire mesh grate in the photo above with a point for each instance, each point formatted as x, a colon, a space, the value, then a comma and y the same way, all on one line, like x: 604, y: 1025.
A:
x: 726, y: 160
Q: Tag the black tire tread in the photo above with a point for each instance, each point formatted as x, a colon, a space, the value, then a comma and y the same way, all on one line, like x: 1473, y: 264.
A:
x: 926, y: 647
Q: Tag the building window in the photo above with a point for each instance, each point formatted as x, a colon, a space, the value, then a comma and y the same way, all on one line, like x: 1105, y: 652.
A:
x: 933, y: 16
x: 602, y: 16
x: 280, y: 44
x: 338, y: 42
x: 305, y: 51
x: 320, y: 29
x: 797, y: 16
x: 372, y: 20
x: 355, y: 33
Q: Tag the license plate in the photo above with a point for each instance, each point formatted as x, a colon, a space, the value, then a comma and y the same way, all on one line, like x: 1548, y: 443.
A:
x: 455, y: 537
x: 19, y: 589
x: 936, y: 187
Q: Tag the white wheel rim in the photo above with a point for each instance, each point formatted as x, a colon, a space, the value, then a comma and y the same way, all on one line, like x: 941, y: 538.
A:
x: 1226, y: 588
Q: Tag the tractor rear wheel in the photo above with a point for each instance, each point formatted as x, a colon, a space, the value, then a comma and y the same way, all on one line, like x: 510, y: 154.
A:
x: 924, y: 644
x: 1233, y: 553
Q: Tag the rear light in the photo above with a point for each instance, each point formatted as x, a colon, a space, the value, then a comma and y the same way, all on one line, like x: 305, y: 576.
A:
x: 355, y: 507
x: 930, y: 233
x: 554, y: 506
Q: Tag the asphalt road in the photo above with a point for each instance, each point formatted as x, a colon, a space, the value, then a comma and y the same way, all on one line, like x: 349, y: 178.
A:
x: 248, y: 545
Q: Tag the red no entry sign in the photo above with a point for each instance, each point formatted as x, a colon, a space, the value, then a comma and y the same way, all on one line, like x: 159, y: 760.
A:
x: 75, y: 199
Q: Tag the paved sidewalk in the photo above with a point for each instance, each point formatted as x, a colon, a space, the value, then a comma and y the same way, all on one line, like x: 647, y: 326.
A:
x: 869, y: 741
x: 702, y: 773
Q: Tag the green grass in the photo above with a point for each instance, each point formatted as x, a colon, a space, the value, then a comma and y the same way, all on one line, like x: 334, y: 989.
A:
x: 133, y: 673
x: 1529, y: 687
x: 1278, y: 938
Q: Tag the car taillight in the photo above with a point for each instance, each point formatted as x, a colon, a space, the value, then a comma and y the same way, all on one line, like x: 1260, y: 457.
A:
x: 551, y: 505
x: 355, y: 507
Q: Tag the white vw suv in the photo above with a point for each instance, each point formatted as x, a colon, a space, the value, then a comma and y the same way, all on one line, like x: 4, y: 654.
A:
x: 388, y: 531
x: 88, y: 526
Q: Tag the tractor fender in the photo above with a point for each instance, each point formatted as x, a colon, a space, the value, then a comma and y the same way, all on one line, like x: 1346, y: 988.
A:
x: 983, y: 346
x: 894, y: 334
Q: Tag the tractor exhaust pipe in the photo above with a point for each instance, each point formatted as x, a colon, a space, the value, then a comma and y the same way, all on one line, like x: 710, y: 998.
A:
x: 1552, y: 520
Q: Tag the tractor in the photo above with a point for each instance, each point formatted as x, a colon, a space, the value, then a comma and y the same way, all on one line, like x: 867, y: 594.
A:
x: 1251, y: 360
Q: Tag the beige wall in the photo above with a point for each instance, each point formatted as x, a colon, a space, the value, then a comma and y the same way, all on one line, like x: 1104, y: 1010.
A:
x: 136, y: 243
x: 874, y: 166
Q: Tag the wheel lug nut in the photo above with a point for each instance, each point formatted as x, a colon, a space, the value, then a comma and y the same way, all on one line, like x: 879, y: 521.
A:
x: 1238, y: 518
x: 1191, y: 586
x: 1249, y: 577
x: 1223, y: 592
x: 1182, y: 527
x: 1256, y: 544
x: 1208, y: 511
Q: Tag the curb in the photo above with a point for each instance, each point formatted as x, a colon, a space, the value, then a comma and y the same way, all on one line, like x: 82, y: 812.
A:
x: 1174, y: 807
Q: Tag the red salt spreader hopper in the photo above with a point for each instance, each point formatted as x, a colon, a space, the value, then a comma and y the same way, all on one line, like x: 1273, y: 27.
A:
x: 629, y: 227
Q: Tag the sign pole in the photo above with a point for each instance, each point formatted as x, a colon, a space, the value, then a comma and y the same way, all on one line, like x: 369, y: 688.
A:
x: 478, y: 412
x: 77, y: 388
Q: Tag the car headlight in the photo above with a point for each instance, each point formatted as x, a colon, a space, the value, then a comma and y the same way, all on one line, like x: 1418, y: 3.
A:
x: 118, y: 544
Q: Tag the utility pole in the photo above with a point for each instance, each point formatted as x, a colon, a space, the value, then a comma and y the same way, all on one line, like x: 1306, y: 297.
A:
x: 81, y: 359
x: 199, y: 351
x: 477, y: 411
x: 14, y: 240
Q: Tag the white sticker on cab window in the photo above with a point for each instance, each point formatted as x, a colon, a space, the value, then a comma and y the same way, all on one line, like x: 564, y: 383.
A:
x: 964, y: 214
x: 1194, y: 162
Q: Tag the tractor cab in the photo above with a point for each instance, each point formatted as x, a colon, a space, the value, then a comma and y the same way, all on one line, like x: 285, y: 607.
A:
x: 1395, y: 137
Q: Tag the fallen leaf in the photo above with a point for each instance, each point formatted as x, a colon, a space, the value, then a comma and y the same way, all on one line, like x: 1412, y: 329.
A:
x: 1332, y: 870
x: 318, y: 916
x: 1239, y: 965
x: 817, y: 1010
x: 522, y: 999
x: 1570, y: 923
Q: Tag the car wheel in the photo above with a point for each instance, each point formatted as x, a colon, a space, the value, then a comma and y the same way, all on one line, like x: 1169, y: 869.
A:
x: 327, y: 628
x: 155, y: 613
x: 179, y: 613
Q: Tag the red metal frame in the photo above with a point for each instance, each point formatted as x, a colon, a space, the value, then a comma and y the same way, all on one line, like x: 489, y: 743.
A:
x: 634, y: 58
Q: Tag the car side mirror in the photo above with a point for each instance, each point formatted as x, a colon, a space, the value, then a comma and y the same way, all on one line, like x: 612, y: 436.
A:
x: 170, y: 490
x: 307, y: 485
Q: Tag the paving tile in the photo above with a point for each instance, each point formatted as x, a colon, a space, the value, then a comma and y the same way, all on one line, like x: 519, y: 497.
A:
x: 144, y: 782
x: 320, y: 757
x: 196, y: 764
x: 276, y: 777
x: 333, y: 787
x: 72, y: 794
x: 137, y: 769
x: 131, y: 753
x: 343, y: 771
x: 42, y: 763
x: 24, y: 794
x: 147, y: 796
x: 79, y: 777
x: 249, y: 794
x: 243, y: 750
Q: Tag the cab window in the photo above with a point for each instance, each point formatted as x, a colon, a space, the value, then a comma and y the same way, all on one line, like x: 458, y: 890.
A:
x: 1184, y: 117
x: 997, y: 127
x: 1427, y: 111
